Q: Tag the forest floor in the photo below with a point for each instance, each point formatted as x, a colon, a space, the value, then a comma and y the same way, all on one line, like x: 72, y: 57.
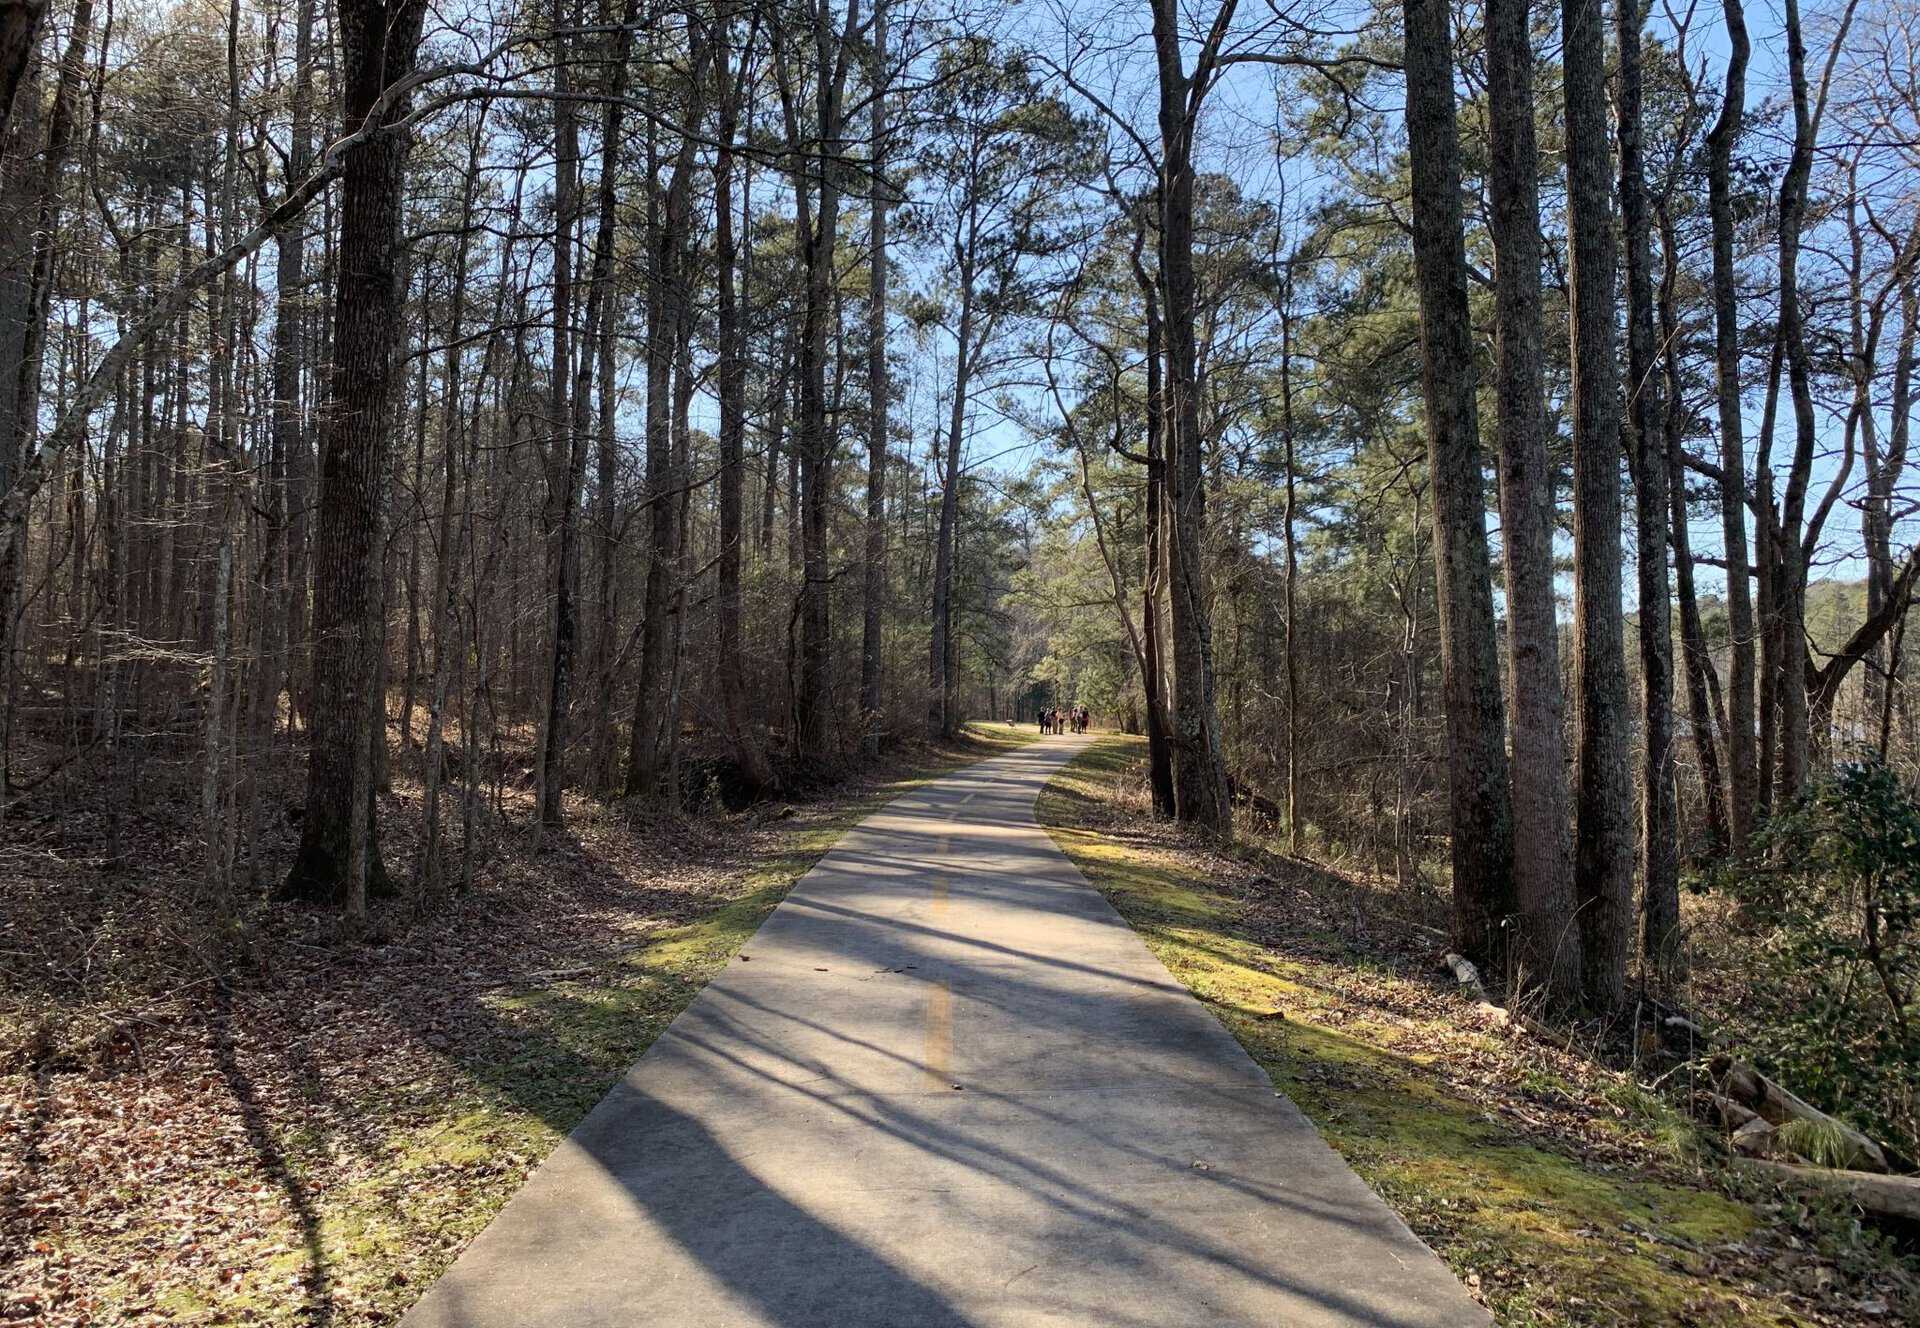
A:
x: 1561, y: 1191
x: 295, y: 1126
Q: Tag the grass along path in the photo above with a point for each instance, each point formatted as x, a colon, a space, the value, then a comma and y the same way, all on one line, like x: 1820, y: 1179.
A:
x: 1562, y: 1193
x: 316, y: 1140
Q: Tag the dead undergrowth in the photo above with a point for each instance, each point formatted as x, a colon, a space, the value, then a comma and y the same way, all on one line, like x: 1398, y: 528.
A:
x: 250, y: 1115
x: 1557, y: 1186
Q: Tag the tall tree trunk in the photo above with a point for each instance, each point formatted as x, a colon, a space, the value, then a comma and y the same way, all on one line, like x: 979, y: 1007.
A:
x: 339, y: 856
x: 669, y: 307
x: 819, y: 245
x: 940, y: 719
x: 443, y: 606
x: 1153, y: 579
x: 1646, y: 447
x: 733, y: 428
x: 1882, y: 480
x: 1482, y: 816
x: 1702, y: 682
x: 1546, y: 949
x: 19, y: 39
x: 269, y: 669
x: 879, y: 387
x: 565, y: 453
x: 774, y: 401
x: 1292, y: 575
x: 1788, y: 678
x: 1603, y: 837
x: 1153, y: 523
x: 1743, y: 764
x: 1200, y: 776
x: 32, y: 307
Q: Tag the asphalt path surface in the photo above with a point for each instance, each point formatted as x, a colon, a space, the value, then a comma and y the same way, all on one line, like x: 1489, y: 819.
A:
x: 945, y: 1084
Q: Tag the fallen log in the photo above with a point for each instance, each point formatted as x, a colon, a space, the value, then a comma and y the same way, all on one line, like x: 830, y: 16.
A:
x: 1468, y: 976
x: 1887, y: 1196
x: 1761, y: 1095
x: 1732, y: 1114
x: 1754, y: 1137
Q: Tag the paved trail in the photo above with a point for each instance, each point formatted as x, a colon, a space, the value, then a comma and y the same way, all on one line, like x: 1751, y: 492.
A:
x: 946, y: 1085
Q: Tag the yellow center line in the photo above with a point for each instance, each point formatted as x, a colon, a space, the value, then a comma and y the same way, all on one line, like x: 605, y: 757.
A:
x: 939, y: 1058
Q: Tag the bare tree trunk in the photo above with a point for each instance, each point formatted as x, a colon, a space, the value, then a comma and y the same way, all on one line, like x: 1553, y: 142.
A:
x: 30, y: 336
x: 1603, y: 839
x: 1292, y: 577
x: 1482, y: 817
x: 879, y: 387
x: 1790, y: 562
x: 1546, y: 952
x: 606, y: 653
x: 414, y: 648
x: 443, y: 606
x: 1883, y: 477
x: 732, y: 373
x: 278, y: 598
x: 940, y: 718
x: 1743, y: 769
x: 19, y: 39
x: 1702, y: 682
x: 669, y: 308
x: 339, y: 857
x: 1153, y: 579
x: 1200, y: 775
x: 1646, y: 447
x: 817, y: 224
x: 566, y: 453
x: 775, y: 401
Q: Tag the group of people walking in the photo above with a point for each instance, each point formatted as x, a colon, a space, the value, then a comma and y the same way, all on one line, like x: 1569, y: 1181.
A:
x: 1074, y: 719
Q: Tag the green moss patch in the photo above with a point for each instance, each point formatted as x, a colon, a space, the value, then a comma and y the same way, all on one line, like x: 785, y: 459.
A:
x: 321, y: 1146
x: 1555, y: 1194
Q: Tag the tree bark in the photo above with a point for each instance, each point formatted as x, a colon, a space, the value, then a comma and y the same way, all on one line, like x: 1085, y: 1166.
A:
x: 1646, y: 447
x: 732, y: 373
x: 818, y: 233
x: 1789, y: 559
x: 1200, y: 776
x: 1292, y: 576
x: 19, y: 39
x: 1482, y: 817
x: 669, y: 308
x: 443, y: 605
x: 1546, y: 951
x: 1701, y: 680
x: 1153, y: 577
x: 339, y: 858
x: 32, y: 306
x: 1743, y: 766
x: 940, y: 717
x: 879, y: 388
x: 566, y: 455
x: 1603, y: 838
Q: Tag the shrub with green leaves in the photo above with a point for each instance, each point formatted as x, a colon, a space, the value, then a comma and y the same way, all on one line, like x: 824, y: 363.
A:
x: 1833, y: 889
